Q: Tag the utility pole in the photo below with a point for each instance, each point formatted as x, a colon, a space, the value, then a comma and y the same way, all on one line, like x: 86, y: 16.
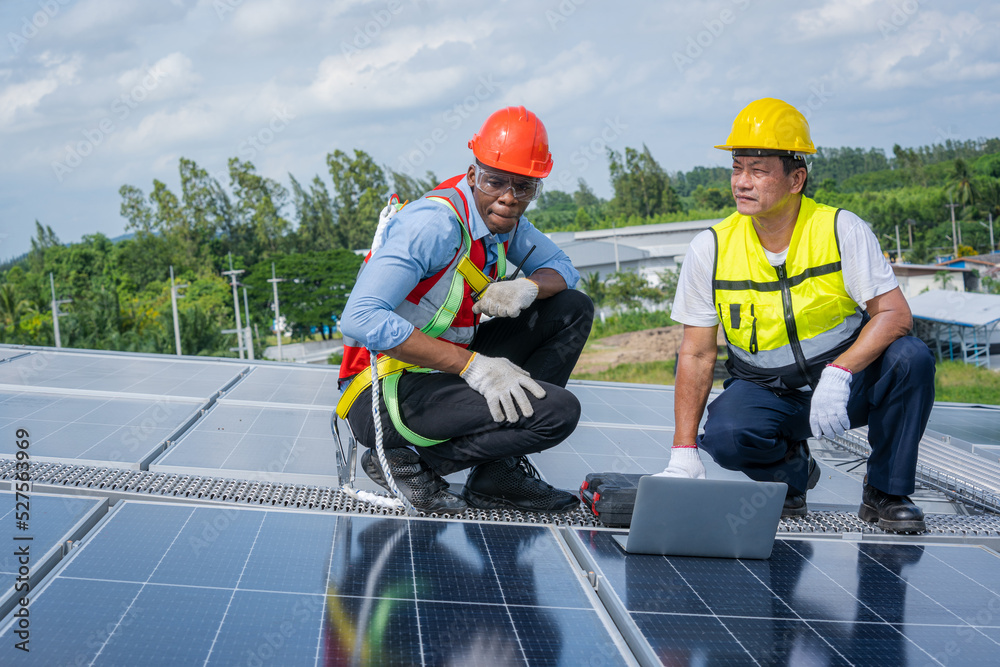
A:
x: 899, y: 251
x: 274, y: 280
x: 614, y: 233
x: 236, y: 303
x: 954, y: 232
x: 992, y: 247
x: 909, y: 227
x: 55, y: 309
x: 173, y: 303
x: 249, y: 338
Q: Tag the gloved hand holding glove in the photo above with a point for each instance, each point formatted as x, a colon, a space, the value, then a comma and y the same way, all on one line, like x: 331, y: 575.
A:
x: 506, y: 298
x: 828, y: 410
x: 502, y: 383
x: 684, y: 462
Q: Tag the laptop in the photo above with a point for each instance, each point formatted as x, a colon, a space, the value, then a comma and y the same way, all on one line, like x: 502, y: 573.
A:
x: 704, y: 517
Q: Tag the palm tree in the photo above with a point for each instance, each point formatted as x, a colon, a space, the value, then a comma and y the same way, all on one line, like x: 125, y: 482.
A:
x: 962, y: 185
x: 12, y: 308
x: 593, y: 286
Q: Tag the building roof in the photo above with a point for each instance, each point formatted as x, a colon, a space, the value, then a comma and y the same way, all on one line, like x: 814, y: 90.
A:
x: 970, y: 309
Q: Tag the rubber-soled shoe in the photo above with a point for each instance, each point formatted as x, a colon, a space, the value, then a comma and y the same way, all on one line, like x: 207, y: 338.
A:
x: 415, y: 479
x: 813, y: 471
x: 795, y: 505
x: 514, y: 483
x: 896, y: 514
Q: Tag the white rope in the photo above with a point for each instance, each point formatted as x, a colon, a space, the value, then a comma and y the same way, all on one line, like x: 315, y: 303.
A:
x: 379, y: 448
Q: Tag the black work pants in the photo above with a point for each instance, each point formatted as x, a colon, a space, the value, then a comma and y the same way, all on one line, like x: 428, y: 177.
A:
x: 749, y: 428
x: 545, y: 339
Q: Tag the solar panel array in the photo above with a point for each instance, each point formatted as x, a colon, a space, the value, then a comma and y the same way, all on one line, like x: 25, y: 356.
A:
x: 812, y: 602
x: 195, y: 583
x: 173, y: 584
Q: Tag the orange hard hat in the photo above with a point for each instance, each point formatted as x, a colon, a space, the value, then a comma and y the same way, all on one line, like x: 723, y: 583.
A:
x: 514, y: 140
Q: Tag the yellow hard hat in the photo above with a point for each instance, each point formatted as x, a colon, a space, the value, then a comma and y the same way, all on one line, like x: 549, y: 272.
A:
x: 769, y: 125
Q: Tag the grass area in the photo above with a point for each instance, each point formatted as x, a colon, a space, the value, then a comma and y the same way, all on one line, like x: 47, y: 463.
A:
x: 630, y: 321
x: 647, y: 372
x: 957, y: 382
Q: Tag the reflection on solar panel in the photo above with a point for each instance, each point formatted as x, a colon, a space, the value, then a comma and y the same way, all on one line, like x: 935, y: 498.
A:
x: 53, y: 520
x: 813, y: 602
x: 185, y: 585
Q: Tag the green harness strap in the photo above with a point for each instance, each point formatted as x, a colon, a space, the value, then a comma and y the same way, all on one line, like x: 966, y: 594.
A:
x: 440, y: 323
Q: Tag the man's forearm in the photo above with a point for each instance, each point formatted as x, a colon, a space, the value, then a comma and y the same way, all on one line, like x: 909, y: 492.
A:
x: 549, y: 281
x: 891, y: 319
x: 422, y: 350
x: 691, y: 388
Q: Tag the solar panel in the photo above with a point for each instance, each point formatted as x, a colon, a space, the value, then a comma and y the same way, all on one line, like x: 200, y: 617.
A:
x: 813, y: 601
x: 650, y: 405
x: 252, y: 442
x: 161, y: 376
x: 315, y: 386
x: 973, y: 424
x: 122, y: 432
x: 196, y: 585
x: 52, y: 521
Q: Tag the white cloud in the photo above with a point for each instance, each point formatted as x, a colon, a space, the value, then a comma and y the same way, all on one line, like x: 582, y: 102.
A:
x: 25, y: 97
x: 169, y: 76
x: 570, y: 75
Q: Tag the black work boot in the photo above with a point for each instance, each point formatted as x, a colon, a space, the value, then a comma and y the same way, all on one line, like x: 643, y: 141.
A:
x: 896, y: 514
x: 514, y: 483
x: 422, y: 486
x: 795, y: 503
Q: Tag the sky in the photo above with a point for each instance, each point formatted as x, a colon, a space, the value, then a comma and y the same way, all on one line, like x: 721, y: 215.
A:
x: 95, y: 94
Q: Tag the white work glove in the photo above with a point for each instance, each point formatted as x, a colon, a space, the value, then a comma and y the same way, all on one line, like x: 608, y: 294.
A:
x: 684, y: 462
x: 828, y: 411
x: 506, y: 298
x: 391, y: 209
x: 502, y: 383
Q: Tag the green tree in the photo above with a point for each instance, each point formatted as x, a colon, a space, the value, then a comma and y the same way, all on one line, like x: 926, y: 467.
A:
x: 410, y: 188
x: 628, y: 290
x: 592, y: 285
x: 44, y: 239
x: 316, y: 286
x: 259, y: 202
x: 713, y: 198
x: 642, y: 187
x: 360, y: 193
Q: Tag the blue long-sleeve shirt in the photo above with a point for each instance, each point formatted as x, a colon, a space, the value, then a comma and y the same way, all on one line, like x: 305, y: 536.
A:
x: 421, y: 240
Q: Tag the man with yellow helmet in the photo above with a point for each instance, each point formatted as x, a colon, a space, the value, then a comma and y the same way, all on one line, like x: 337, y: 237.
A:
x: 458, y: 393
x: 816, y: 328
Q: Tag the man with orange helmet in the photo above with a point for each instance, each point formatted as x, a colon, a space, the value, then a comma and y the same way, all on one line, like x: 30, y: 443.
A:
x: 816, y: 328
x: 470, y: 394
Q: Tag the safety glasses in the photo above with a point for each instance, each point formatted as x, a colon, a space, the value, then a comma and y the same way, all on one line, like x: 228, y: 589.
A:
x: 495, y: 184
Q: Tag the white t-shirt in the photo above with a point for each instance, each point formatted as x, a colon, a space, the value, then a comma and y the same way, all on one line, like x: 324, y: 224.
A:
x: 867, y: 273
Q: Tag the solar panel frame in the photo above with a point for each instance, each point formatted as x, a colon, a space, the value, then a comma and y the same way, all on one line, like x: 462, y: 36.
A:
x: 75, y: 515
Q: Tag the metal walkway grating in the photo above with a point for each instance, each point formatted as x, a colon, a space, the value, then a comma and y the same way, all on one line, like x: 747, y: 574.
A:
x: 960, y: 474
x: 141, y: 484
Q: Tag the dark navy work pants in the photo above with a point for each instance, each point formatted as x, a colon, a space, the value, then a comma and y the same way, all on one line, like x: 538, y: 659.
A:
x: 545, y: 339
x: 749, y: 428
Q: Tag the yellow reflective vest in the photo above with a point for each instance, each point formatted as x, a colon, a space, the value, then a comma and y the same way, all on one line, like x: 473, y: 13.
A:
x: 783, y: 324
